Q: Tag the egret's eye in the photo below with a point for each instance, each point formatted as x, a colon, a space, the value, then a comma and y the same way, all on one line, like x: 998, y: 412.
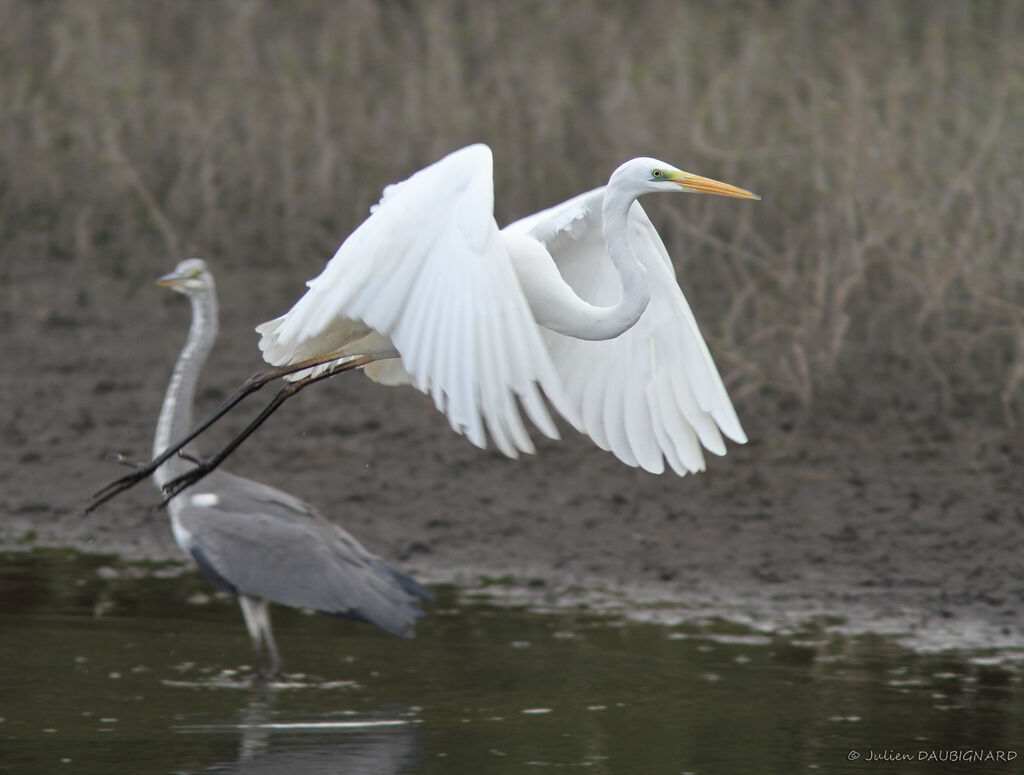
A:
x: 657, y: 174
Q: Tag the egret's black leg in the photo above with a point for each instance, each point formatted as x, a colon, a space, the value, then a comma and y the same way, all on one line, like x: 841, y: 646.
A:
x: 128, y: 481
x: 207, y: 465
x: 250, y: 386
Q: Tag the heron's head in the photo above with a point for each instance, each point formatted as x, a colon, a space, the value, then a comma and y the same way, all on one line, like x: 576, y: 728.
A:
x: 646, y: 175
x: 190, y: 276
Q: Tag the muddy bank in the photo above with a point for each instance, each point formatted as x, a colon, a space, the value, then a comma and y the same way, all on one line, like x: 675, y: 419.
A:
x: 911, y: 529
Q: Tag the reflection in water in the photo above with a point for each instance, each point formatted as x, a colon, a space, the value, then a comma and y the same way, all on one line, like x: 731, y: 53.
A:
x: 481, y: 690
x: 268, y: 744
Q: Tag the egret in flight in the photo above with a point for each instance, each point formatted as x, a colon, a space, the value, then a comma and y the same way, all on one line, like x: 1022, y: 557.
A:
x: 257, y: 542
x: 578, y: 303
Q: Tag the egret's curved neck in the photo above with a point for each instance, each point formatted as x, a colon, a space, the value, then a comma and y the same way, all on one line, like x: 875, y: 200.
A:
x: 176, y: 413
x: 553, y: 302
x: 632, y: 275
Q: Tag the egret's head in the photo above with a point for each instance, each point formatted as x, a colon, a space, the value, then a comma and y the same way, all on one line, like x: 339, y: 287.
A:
x: 646, y: 175
x: 190, y: 276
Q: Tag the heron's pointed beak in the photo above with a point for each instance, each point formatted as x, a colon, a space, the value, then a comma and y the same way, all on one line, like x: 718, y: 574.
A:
x: 701, y: 185
x: 170, y: 279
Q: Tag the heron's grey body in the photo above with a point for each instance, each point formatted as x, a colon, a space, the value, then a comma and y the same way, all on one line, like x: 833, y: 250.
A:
x: 258, y: 542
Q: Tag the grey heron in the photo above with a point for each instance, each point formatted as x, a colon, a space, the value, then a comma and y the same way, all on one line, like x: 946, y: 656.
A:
x: 255, y: 541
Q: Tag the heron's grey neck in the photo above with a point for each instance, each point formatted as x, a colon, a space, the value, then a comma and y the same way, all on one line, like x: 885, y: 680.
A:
x: 176, y: 414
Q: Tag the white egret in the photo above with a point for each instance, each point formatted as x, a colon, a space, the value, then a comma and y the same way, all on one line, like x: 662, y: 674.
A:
x: 579, y: 303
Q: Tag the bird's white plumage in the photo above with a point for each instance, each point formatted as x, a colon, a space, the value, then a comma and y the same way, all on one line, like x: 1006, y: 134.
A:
x: 430, y: 287
x: 429, y: 272
x: 653, y: 392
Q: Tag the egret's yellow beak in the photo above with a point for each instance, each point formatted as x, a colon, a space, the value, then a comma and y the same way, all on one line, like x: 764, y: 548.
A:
x: 702, y: 185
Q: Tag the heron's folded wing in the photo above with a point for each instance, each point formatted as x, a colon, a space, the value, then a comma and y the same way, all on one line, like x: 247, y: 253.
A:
x: 428, y: 271
x: 271, y: 545
x: 653, y: 393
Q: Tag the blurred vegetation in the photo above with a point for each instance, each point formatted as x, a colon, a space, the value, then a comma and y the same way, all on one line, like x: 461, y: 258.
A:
x: 882, y: 274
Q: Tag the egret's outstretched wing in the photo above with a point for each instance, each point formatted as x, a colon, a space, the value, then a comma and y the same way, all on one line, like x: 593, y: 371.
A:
x: 652, y: 393
x: 265, y: 543
x: 427, y: 274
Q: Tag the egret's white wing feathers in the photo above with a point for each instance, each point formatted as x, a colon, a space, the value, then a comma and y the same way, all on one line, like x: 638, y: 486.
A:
x: 652, y: 394
x: 426, y: 278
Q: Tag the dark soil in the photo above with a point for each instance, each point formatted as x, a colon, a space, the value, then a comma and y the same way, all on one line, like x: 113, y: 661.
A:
x: 914, y: 529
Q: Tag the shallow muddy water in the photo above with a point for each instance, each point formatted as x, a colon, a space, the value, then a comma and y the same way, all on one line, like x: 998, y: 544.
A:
x: 109, y: 667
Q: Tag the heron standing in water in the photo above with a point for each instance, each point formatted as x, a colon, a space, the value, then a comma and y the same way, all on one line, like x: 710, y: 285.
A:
x: 257, y: 542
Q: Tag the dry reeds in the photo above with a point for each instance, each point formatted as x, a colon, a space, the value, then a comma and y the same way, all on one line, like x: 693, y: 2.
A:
x: 883, y: 271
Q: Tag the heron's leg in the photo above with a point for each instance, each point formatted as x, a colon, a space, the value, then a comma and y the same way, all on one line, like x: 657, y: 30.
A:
x: 254, y: 612
x: 192, y: 476
x: 250, y: 386
x: 268, y: 640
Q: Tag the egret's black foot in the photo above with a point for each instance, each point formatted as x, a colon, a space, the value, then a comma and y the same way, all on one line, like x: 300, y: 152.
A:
x: 126, y: 482
x: 186, y: 480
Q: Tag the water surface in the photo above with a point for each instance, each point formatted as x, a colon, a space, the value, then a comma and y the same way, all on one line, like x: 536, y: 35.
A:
x: 108, y: 667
